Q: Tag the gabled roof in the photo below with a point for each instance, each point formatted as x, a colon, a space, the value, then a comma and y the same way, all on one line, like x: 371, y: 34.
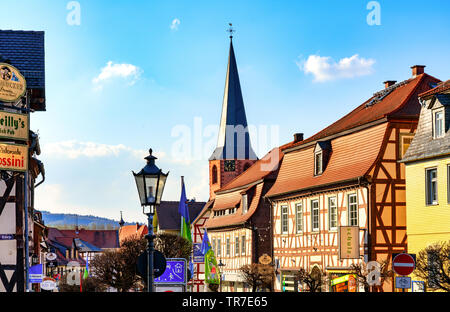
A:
x: 441, y: 87
x: 238, y: 217
x: 170, y: 219
x: 98, y: 238
x: 233, y: 118
x: 397, y: 101
x: 355, y: 140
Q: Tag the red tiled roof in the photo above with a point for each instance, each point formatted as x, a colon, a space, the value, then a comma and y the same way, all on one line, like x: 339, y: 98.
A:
x: 98, y: 238
x: 352, y: 156
x: 402, y: 101
x: 443, y: 86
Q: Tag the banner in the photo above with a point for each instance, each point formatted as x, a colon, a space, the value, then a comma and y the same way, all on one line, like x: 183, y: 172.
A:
x: 349, y: 242
x: 12, y: 83
x: 13, y: 157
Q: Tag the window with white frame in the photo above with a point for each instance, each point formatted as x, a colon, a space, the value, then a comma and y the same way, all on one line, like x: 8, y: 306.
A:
x: 332, y: 213
x: 228, y: 247
x: 243, y: 245
x: 299, y: 217
x: 315, y: 215
x: 318, y: 163
x: 219, y: 247
x: 244, y: 203
x: 431, y: 186
x: 352, y: 210
x: 284, y: 219
x: 438, y: 123
x: 214, y: 246
x: 236, y: 245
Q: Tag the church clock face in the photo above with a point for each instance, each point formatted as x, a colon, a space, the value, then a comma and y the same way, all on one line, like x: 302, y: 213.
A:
x: 230, y: 165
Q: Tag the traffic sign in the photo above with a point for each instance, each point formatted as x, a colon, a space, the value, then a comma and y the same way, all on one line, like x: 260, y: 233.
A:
x: 403, y: 264
x: 403, y: 282
x: 159, y: 264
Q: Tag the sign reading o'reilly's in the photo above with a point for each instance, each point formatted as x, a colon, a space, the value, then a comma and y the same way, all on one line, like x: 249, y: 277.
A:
x: 14, y: 126
x: 13, y: 157
x: 12, y: 83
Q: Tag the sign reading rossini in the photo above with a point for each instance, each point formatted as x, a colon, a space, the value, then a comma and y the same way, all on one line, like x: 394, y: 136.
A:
x: 14, y: 126
x: 12, y: 83
x: 13, y: 157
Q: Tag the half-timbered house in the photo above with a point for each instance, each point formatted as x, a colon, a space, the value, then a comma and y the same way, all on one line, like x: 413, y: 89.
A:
x: 346, y: 177
x: 25, y: 51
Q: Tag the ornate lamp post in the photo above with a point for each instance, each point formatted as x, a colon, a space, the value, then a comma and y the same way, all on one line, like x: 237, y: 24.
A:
x: 150, y: 183
x: 221, y: 265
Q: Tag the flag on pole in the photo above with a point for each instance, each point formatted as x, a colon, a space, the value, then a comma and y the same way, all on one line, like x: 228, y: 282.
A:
x: 212, y: 274
x: 86, y: 271
x: 184, y: 212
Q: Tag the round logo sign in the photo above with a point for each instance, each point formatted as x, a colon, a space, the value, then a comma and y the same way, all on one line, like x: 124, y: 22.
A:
x: 50, y: 256
x: 265, y: 259
x: 12, y: 83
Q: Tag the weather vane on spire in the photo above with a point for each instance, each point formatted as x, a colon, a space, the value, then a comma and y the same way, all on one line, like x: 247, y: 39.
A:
x: 231, y: 30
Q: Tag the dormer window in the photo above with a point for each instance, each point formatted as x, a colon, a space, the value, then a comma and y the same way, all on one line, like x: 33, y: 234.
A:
x: 318, y: 163
x: 322, y: 153
x: 438, y: 123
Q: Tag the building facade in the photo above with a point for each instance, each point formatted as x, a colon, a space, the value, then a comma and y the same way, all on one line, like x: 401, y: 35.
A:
x: 346, y: 177
x: 427, y: 163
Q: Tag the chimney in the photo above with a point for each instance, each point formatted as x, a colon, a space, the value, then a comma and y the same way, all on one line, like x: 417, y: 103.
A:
x: 298, y: 137
x: 389, y: 83
x: 417, y: 70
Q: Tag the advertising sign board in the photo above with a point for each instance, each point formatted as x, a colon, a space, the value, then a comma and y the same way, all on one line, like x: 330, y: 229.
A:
x: 12, y: 83
x: 13, y: 157
x: 349, y: 242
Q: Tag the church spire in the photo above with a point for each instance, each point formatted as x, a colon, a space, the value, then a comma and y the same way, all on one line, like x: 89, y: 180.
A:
x: 234, y: 139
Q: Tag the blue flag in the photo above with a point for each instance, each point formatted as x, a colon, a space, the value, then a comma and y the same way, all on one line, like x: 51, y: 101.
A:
x: 205, y: 244
x: 184, y: 212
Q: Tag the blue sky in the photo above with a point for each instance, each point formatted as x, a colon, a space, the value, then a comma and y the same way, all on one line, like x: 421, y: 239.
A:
x: 124, y: 80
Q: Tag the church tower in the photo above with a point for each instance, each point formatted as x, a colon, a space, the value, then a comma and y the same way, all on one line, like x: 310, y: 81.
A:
x: 234, y: 153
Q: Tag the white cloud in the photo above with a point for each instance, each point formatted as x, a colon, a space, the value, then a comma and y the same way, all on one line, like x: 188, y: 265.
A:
x: 175, y: 23
x: 129, y: 72
x: 324, y: 68
x: 73, y: 149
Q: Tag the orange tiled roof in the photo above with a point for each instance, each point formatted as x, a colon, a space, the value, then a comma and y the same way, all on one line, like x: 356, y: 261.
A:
x: 352, y: 157
x: 401, y: 101
x: 238, y: 217
x: 130, y: 230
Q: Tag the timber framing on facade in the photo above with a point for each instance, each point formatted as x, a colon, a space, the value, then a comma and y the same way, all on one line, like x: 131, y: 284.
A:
x: 346, y: 175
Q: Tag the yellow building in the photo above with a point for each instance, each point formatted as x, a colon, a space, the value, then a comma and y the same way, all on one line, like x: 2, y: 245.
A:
x: 427, y: 163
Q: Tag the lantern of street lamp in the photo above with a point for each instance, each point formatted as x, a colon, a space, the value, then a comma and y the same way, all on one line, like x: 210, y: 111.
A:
x: 150, y: 182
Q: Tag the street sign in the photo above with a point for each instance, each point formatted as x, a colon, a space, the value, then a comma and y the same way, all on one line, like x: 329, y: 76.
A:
x: 199, y: 257
x: 418, y: 286
x: 36, y: 273
x: 403, y: 282
x: 159, y: 264
x: 403, y: 264
x: 175, y: 272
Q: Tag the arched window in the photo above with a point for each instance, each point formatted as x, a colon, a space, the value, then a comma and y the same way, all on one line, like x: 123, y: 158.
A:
x: 214, y: 174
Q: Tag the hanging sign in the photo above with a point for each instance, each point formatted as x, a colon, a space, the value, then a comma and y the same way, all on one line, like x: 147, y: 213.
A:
x: 13, y: 157
x: 36, y: 273
x: 349, y: 242
x: 14, y: 126
x: 12, y: 83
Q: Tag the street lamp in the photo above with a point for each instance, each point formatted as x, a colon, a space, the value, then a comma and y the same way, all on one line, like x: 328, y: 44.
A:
x: 221, y: 265
x: 150, y: 183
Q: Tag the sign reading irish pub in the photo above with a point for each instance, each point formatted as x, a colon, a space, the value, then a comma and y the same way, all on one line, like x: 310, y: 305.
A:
x: 13, y: 157
x: 14, y: 126
x: 12, y: 83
